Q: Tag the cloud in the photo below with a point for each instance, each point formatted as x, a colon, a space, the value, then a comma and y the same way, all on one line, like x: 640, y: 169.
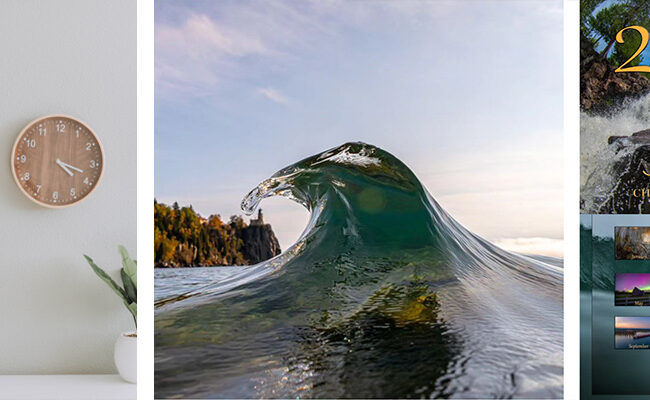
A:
x: 200, y: 47
x: 533, y: 245
x: 202, y: 37
x: 273, y: 95
x: 200, y: 52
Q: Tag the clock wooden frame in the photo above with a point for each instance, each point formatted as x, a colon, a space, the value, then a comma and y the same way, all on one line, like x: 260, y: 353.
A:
x: 14, y: 154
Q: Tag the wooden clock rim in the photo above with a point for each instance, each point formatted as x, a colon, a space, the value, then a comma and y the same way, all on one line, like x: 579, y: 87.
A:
x: 13, y: 168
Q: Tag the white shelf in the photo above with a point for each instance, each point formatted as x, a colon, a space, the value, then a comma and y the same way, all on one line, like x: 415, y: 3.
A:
x: 68, y: 387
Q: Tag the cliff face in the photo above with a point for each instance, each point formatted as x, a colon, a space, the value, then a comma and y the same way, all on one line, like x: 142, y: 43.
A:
x: 260, y: 243
x: 601, y: 87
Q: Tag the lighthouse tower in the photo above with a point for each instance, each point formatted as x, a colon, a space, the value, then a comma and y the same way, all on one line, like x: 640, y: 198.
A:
x: 259, y: 220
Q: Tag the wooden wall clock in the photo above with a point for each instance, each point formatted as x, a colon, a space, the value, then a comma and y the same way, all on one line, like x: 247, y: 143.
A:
x: 57, y: 161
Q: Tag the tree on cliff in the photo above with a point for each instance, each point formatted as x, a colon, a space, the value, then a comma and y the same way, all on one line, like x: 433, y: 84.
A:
x: 183, y: 238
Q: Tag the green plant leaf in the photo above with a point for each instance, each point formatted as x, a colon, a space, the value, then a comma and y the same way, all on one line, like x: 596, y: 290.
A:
x: 104, y: 276
x: 129, y: 287
x: 133, y: 308
x: 129, y: 265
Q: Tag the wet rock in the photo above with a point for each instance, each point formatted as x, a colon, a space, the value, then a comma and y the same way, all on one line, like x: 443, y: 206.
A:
x: 631, y: 195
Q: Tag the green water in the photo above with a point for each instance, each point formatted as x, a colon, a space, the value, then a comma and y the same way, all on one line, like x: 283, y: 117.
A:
x: 384, y: 295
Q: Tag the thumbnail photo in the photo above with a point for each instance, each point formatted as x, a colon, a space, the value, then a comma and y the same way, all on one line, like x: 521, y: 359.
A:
x: 632, y: 333
x: 632, y: 290
x: 632, y: 242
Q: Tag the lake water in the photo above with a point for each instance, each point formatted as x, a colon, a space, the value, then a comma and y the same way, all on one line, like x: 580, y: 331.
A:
x: 172, y: 282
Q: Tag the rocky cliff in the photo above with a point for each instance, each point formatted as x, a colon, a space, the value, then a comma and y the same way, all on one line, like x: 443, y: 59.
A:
x: 260, y: 243
x: 601, y: 87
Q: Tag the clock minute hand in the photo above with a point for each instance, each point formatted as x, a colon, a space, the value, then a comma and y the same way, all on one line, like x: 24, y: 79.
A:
x: 71, y: 167
x: 63, y: 167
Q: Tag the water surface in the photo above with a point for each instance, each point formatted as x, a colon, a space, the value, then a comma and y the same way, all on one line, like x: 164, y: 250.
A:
x: 384, y: 295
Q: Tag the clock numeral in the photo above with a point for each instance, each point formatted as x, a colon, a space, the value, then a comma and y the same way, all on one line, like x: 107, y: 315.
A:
x: 55, y: 195
x: 26, y: 176
x: 60, y: 127
x: 86, y: 181
x: 31, y: 143
x: 23, y: 159
x: 89, y: 146
x: 38, y: 188
x: 42, y: 131
x: 93, y: 164
x: 77, y: 132
x: 72, y: 192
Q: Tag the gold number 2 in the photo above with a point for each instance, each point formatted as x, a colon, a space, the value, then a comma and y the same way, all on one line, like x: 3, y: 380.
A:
x: 644, y: 42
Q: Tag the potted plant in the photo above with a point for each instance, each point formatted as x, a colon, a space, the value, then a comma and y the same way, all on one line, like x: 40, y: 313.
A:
x: 126, y: 344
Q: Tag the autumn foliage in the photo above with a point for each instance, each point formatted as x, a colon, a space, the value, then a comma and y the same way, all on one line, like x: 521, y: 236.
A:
x: 183, y: 238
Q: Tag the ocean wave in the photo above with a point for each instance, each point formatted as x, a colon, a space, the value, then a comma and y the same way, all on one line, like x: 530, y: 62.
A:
x: 383, y: 295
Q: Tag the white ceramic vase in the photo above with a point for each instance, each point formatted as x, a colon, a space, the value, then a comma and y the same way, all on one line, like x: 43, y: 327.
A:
x: 126, y: 356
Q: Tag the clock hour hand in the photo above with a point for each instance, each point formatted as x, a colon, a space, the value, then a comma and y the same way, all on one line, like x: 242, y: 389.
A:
x: 63, y: 167
x: 71, y: 167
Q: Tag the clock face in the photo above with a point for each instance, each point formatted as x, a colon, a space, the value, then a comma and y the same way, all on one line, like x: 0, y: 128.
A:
x: 57, y: 161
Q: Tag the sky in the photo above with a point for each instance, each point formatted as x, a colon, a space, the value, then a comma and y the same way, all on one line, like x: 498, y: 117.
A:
x: 468, y: 94
x: 627, y: 282
x: 633, y: 322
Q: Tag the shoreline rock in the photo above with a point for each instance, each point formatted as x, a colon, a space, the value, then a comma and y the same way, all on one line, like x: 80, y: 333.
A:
x: 602, y: 89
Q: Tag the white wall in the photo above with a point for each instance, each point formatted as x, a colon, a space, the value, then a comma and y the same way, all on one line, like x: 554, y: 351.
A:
x: 76, y: 58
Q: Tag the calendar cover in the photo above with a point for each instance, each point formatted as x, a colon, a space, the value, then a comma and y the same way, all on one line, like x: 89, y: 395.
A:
x: 614, y: 198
